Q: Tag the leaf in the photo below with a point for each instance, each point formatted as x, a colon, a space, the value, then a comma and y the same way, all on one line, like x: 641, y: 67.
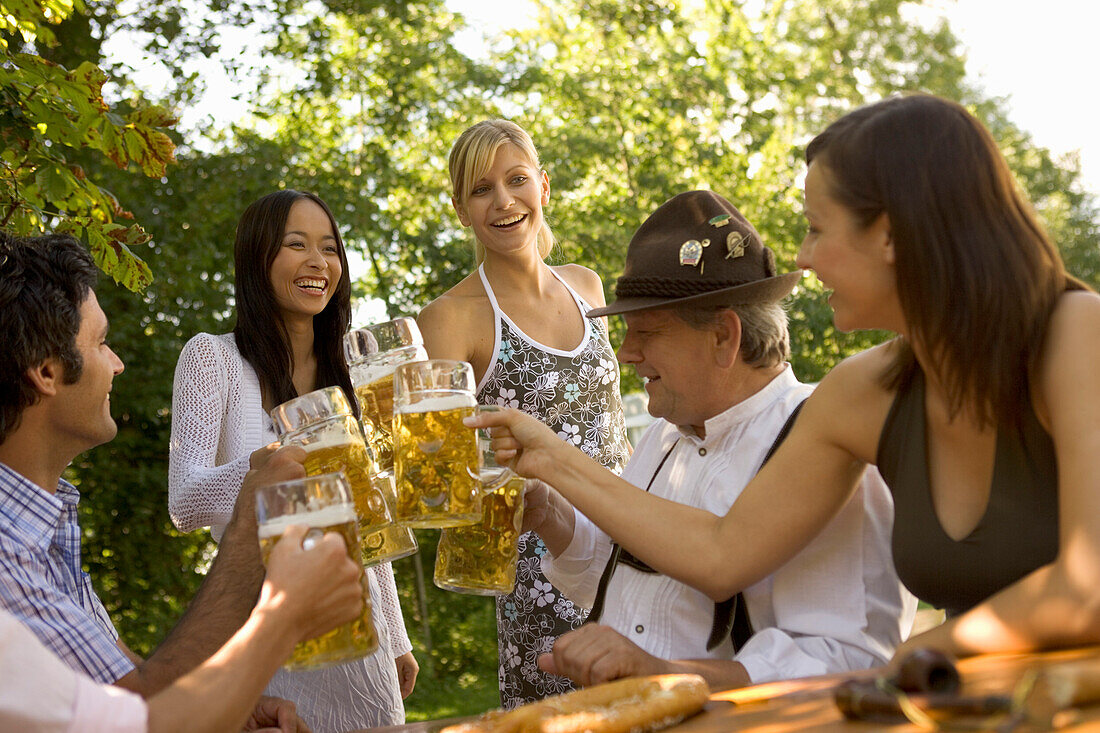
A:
x: 55, y: 183
x: 153, y: 116
x: 112, y: 145
x: 159, y: 151
x: 110, y: 247
x: 90, y: 79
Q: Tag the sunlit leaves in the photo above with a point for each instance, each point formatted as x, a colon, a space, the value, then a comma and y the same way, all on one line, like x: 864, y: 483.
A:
x: 51, y: 114
x: 32, y: 19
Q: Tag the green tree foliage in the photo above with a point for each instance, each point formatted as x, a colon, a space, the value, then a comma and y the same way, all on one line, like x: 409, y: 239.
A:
x: 633, y: 104
x: 382, y: 93
x: 48, y: 115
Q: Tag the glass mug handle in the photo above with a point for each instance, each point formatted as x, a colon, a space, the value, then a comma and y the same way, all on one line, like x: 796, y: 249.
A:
x: 493, y: 475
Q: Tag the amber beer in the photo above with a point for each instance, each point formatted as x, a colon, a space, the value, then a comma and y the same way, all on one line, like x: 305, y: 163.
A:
x: 391, y: 541
x: 481, y: 558
x: 373, y: 353
x: 436, y: 461
x: 352, y: 640
x: 380, y: 539
x: 376, y: 404
x: 321, y: 423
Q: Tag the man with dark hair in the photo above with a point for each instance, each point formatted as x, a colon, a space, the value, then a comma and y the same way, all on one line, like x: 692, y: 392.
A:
x: 38, y: 322
x: 705, y: 329
x: 55, y: 384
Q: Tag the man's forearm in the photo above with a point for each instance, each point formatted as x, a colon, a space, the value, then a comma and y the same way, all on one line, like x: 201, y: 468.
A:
x: 221, y: 606
x: 219, y: 695
x: 720, y: 674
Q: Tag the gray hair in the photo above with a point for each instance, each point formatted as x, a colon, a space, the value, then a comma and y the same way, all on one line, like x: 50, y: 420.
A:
x: 765, y: 340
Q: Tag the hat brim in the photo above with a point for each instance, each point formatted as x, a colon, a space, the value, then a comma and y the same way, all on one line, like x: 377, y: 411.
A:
x: 768, y: 290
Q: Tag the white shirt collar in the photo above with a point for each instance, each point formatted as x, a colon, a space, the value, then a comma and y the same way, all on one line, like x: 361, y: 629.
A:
x: 745, y: 409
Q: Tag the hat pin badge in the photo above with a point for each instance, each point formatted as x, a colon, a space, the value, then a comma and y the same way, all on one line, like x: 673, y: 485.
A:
x: 691, y: 252
x: 735, y: 245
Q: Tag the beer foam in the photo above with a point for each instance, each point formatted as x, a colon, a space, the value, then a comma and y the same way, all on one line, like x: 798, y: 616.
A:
x: 370, y: 373
x: 331, y: 439
x: 329, y: 516
x: 451, y: 401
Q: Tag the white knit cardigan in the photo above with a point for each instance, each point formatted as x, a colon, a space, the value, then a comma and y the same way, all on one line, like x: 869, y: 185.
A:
x: 217, y: 421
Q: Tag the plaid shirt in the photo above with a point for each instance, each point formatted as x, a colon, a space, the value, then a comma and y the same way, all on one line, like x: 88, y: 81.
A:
x: 42, y: 584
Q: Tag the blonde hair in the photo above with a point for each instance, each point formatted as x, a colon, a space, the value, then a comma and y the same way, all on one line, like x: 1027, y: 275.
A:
x: 472, y: 157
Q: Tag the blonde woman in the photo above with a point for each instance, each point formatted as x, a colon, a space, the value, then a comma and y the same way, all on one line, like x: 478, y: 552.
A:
x: 521, y: 324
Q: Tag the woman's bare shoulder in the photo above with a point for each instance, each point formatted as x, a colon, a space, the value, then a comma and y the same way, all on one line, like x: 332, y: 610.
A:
x: 1071, y: 349
x: 584, y: 281
x: 852, y: 401
x: 1073, y: 333
x: 1075, y: 309
x: 452, y: 324
x: 464, y: 298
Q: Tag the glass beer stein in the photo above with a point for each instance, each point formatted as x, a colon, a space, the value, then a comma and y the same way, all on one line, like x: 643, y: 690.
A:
x: 324, y: 504
x: 322, y: 423
x: 373, y: 353
x: 392, y: 540
x: 481, y: 558
x: 436, y: 458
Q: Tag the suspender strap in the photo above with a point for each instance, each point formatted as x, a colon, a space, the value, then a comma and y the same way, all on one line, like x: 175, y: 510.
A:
x: 731, y: 616
x: 617, y: 552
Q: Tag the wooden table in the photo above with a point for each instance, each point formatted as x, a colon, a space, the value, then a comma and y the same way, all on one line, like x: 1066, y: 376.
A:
x: 807, y: 704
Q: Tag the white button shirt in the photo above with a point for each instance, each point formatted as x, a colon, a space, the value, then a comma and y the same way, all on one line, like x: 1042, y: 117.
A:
x: 835, y: 607
x: 38, y: 692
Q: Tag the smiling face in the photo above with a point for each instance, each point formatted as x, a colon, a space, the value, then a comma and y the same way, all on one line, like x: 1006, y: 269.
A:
x: 677, y: 363
x: 855, y: 261
x: 504, y: 206
x: 307, y: 268
x: 84, y: 406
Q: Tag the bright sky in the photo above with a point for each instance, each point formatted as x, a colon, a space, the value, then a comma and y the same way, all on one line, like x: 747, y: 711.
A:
x: 1042, y: 55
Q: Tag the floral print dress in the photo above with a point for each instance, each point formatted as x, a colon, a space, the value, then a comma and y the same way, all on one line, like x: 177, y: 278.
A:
x: 577, y: 394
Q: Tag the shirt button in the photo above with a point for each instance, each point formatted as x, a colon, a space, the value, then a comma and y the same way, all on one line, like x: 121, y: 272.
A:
x: 639, y: 628
x: 702, y: 451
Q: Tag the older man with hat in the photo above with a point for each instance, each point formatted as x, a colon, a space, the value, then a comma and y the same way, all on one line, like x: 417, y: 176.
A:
x: 706, y: 331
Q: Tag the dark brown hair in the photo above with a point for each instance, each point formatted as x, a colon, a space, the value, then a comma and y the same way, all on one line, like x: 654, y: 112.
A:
x: 267, y: 348
x: 44, y: 281
x: 977, y: 276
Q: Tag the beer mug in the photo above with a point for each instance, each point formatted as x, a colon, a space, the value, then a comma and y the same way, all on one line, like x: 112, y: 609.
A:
x: 322, y: 423
x: 373, y: 353
x: 481, y: 558
x: 324, y: 504
x: 436, y: 458
x: 392, y: 540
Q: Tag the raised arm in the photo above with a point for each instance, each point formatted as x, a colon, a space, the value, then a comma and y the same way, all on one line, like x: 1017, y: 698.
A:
x: 782, y: 509
x: 201, y: 493
x: 306, y: 592
x: 1058, y: 604
x: 228, y: 594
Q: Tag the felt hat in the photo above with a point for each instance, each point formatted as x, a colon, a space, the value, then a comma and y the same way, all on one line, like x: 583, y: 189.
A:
x: 697, y: 249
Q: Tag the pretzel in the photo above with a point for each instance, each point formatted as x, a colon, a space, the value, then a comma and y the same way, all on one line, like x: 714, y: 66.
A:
x: 631, y: 705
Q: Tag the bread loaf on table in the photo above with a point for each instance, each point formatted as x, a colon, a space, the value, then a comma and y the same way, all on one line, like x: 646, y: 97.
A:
x: 631, y: 705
